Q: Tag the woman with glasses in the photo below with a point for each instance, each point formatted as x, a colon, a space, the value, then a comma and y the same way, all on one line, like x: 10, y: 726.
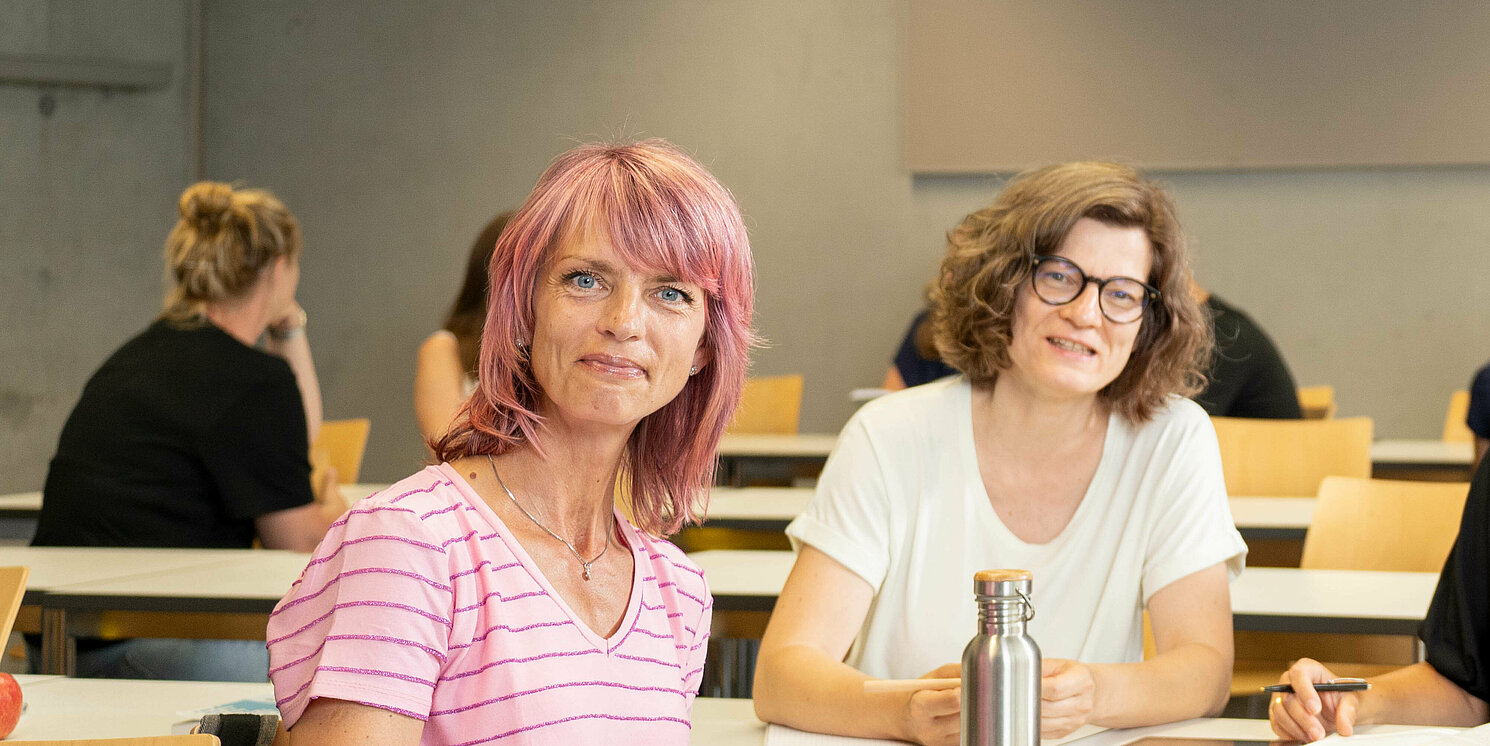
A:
x: 1065, y: 448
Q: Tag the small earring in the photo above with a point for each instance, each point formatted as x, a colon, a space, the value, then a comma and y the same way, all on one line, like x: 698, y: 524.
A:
x: 521, y: 345
x: 693, y: 370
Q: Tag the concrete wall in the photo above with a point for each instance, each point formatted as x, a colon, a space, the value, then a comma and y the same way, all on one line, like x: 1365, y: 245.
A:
x: 395, y: 130
x: 87, y: 195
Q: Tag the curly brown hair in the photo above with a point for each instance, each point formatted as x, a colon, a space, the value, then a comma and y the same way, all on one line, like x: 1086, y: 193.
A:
x: 991, y: 254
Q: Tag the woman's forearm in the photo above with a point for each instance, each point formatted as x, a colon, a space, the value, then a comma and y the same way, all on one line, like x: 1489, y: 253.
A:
x: 1192, y: 680
x: 1420, y: 695
x: 801, y: 687
x: 296, y: 352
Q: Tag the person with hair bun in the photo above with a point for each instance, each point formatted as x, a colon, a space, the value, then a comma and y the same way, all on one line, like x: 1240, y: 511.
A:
x: 445, y: 371
x: 193, y: 434
x: 1065, y: 447
x: 501, y: 596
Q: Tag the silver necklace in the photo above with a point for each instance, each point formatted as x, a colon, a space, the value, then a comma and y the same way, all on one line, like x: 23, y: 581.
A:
x: 586, y: 565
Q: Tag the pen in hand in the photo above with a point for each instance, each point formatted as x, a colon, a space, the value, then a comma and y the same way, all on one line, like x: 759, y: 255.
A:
x: 1334, y: 685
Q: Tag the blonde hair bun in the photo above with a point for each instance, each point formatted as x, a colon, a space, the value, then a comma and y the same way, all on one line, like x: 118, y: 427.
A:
x: 222, y: 243
x: 208, y: 205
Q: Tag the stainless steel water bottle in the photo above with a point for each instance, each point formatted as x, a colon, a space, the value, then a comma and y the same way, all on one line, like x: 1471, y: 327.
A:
x: 1001, y: 665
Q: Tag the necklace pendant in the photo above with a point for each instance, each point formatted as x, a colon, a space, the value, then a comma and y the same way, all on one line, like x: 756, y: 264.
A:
x: 587, y: 569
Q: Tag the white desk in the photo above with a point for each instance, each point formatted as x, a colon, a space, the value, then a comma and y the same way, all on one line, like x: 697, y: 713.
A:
x: 780, y: 453
x: 756, y: 508
x: 1263, y: 598
x: 1285, y: 518
x: 61, y: 708
x: 1422, y: 459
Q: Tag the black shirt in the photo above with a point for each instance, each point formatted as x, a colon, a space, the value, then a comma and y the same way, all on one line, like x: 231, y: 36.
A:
x: 181, y: 439
x: 1248, y: 377
x: 915, y: 369
x: 1457, y: 629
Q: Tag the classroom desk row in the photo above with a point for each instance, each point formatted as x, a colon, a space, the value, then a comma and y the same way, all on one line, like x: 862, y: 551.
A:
x: 83, y: 592
x: 1272, y: 599
x: 772, y: 508
x: 62, y: 708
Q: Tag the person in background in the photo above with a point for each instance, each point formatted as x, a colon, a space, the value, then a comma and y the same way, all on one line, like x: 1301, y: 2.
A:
x: 1450, y: 686
x: 1248, y: 377
x: 501, y: 594
x: 445, y: 371
x: 916, y: 361
x: 1064, y: 447
x: 1478, y: 418
x: 194, y: 433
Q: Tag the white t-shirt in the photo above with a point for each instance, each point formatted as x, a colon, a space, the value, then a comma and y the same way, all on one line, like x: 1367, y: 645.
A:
x: 901, y: 504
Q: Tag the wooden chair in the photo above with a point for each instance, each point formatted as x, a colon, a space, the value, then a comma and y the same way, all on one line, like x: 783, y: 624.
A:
x: 12, y: 590
x: 1359, y: 524
x: 340, y: 444
x: 769, y: 405
x: 1454, y: 428
x: 1282, y: 458
x: 191, y: 740
x: 1317, y: 402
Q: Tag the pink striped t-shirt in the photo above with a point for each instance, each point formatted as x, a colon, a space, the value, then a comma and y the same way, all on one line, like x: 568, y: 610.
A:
x: 420, y: 601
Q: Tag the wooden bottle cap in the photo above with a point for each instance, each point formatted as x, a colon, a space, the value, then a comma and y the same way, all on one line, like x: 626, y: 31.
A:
x: 998, y: 576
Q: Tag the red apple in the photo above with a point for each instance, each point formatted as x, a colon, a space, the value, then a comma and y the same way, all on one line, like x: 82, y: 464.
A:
x: 10, y: 704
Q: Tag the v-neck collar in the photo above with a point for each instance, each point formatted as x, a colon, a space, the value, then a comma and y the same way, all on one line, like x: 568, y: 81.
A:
x: 974, y: 475
x: 628, y: 534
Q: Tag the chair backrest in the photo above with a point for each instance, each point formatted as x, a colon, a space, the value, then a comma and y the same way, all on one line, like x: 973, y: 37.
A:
x: 12, y: 590
x: 199, y: 739
x: 770, y: 405
x: 1383, y: 524
x: 1317, y: 402
x: 340, y: 444
x: 1455, y: 430
x: 1280, y: 458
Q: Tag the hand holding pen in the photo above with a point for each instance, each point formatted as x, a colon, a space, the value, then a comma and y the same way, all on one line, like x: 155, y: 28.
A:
x: 1310, y: 701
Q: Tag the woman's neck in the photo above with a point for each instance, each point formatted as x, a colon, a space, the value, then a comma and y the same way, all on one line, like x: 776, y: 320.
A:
x: 244, y: 318
x: 570, y: 489
x: 1012, y: 412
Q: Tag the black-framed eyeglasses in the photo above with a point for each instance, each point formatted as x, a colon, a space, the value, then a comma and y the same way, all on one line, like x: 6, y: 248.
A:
x: 1058, y: 281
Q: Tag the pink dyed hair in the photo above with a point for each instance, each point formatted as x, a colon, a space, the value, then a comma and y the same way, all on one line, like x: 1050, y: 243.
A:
x: 661, y: 209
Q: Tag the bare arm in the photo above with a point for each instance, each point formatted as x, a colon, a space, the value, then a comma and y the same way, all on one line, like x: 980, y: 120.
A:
x: 802, y: 681
x: 298, y: 529
x: 438, y: 392
x: 1188, y: 678
x: 296, y: 351
x: 337, y: 722
x: 893, y: 381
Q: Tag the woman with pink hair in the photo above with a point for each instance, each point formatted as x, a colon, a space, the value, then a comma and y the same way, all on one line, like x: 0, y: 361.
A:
x: 501, y: 596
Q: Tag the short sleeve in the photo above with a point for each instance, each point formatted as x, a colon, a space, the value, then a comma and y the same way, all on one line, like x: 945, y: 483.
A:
x: 1479, y: 404
x: 1192, y: 527
x: 1456, y: 632
x: 849, y: 516
x: 257, y: 452
x: 369, y: 620
x: 698, y: 650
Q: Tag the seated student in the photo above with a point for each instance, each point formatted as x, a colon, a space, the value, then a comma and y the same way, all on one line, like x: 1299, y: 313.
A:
x: 190, y: 435
x: 445, y: 371
x: 1479, y: 412
x: 916, y: 361
x: 1450, y: 687
x: 1248, y: 377
x: 1065, y: 448
x: 501, y: 594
